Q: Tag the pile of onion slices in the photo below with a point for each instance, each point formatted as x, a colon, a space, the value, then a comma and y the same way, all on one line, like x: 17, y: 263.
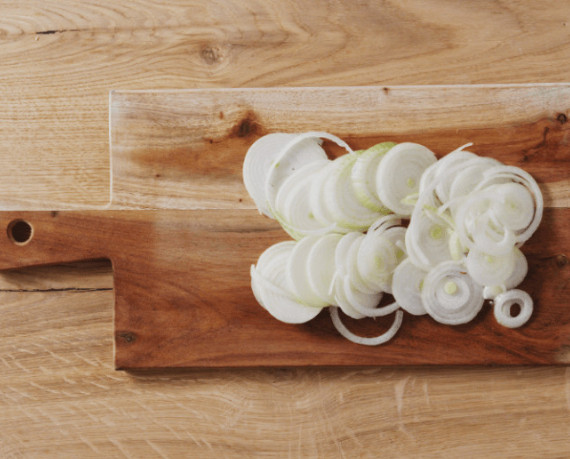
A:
x: 467, y: 218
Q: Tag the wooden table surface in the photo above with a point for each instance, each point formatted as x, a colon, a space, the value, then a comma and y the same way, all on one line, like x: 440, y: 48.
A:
x: 59, y: 394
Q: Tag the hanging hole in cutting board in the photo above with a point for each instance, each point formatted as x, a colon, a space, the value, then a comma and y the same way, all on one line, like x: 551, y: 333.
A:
x: 20, y: 232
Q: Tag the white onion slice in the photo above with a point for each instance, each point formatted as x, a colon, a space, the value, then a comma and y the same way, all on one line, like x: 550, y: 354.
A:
x: 341, y: 200
x: 399, y: 175
x: 478, y: 228
x: 342, y: 251
x: 407, y: 287
x: 321, y: 266
x: 513, y: 205
x: 297, y: 216
x: 298, y: 273
x: 499, y: 174
x: 427, y: 240
x: 520, y: 271
x: 385, y: 222
x: 450, y: 296
x: 363, y: 176
x: 255, y: 287
x: 375, y: 341
x: 351, y: 268
x: 468, y: 177
x: 342, y: 301
x: 317, y: 199
x: 487, y: 270
x: 491, y: 291
x: 364, y: 303
x: 280, y: 304
x: 505, y: 301
x: 257, y: 164
x: 296, y: 154
x: 295, y: 180
x: 376, y: 261
x: 270, y: 283
x: 431, y: 175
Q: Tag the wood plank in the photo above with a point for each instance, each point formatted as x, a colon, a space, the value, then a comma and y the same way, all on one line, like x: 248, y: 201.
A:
x: 59, y: 393
x: 59, y: 59
x: 185, y: 149
x: 183, y: 296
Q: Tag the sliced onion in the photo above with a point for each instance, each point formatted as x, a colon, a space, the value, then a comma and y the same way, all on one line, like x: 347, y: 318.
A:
x: 255, y: 287
x: 450, y: 296
x: 427, y: 240
x: 385, y: 222
x: 342, y: 251
x: 341, y: 299
x: 364, y: 303
x: 376, y: 261
x: 298, y: 274
x: 486, y: 269
x: 399, y: 175
x: 468, y: 177
x: 280, y: 304
x: 478, y: 228
x: 257, y: 164
x: 296, y: 154
x: 451, y: 160
x: 505, y: 301
x: 363, y: 176
x: 317, y: 199
x: 407, y: 287
x: 296, y: 180
x: 321, y: 266
x: 297, y: 214
x: 381, y: 339
x: 341, y: 200
x: 491, y: 291
x: 520, y: 271
x: 352, y: 268
x: 270, y: 283
x: 499, y: 174
x: 513, y: 205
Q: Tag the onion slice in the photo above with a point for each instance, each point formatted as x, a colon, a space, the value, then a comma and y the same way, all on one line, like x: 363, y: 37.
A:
x: 363, y: 176
x: 407, y: 287
x: 257, y: 163
x: 505, y: 301
x: 375, y: 341
x: 450, y: 296
x: 399, y: 175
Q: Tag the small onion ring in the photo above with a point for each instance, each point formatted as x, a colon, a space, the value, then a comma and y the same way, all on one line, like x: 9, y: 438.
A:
x: 502, y: 308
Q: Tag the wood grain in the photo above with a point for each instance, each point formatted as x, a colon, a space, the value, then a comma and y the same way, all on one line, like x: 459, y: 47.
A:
x: 183, y: 295
x: 59, y: 394
x: 64, y: 57
x: 185, y: 149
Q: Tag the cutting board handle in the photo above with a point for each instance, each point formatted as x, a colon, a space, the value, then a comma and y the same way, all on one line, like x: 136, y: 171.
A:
x: 44, y: 237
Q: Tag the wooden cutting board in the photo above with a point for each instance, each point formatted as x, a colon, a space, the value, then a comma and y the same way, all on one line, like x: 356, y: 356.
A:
x: 181, y: 230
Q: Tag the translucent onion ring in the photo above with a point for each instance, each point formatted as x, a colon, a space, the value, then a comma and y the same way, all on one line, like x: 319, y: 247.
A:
x: 375, y: 341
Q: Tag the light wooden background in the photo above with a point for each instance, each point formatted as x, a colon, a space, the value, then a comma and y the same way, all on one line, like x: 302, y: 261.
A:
x: 59, y: 395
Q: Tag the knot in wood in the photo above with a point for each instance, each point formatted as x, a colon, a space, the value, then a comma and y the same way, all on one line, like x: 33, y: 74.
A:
x: 210, y: 55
